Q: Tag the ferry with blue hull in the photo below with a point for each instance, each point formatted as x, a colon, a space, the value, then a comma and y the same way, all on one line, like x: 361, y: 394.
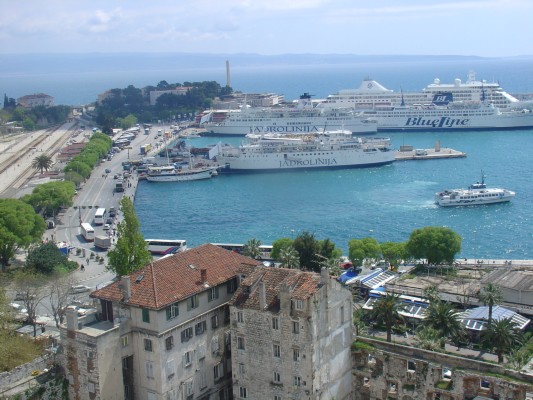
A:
x: 326, y: 150
x: 444, y: 114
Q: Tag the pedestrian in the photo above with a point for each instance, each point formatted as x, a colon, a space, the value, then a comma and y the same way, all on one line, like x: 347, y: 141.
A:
x: 82, y: 268
x: 87, y: 261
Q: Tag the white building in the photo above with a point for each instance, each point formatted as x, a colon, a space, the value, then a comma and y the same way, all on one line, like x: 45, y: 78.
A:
x: 160, y: 334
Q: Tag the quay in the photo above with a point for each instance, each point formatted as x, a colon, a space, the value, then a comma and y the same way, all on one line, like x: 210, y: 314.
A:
x: 409, y: 153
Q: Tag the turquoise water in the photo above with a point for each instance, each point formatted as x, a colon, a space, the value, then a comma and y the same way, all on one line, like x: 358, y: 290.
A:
x: 386, y: 203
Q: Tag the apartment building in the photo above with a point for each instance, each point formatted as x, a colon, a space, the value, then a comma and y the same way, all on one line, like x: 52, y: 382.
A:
x: 291, y: 333
x: 159, y: 334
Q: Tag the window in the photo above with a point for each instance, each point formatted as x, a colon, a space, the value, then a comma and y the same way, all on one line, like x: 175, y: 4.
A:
x: 297, y: 381
x: 90, y: 387
x: 242, y: 369
x: 276, y: 397
x: 214, y: 321
x: 411, y: 366
x: 218, y: 371
x: 214, y: 344
x: 240, y: 316
x: 295, y: 327
x: 187, y: 359
x: 366, y: 381
x: 277, y: 377
x: 172, y: 311
x: 169, y: 342
x: 298, y: 304
x: 124, y: 340
x: 189, y: 388
x: 202, y: 380
x: 125, y: 363
x: 243, y: 392
x: 275, y: 323
x: 186, y: 334
x: 212, y: 294
x: 200, y: 328
x: 232, y: 286
x: 146, y: 315
x: 277, y: 350
x: 296, y: 354
x: 149, y: 370
x: 147, y: 345
x: 171, y: 368
x: 192, y: 302
x: 484, y: 384
x: 200, y: 352
x: 240, y: 343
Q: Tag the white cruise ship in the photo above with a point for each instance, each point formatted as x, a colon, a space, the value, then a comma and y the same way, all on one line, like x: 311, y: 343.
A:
x: 445, y: 114
x: 302, y: 119
x: 329, y: 149
x: 372, y: 94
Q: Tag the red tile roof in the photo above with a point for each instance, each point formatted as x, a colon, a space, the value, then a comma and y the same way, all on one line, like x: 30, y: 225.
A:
x: 177, y: 277
x: 303, y: 285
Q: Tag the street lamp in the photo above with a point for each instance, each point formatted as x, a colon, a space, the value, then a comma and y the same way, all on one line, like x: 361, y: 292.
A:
x: 129, y: 148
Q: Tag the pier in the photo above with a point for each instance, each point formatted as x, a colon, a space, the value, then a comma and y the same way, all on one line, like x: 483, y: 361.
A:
x: 409, y: 153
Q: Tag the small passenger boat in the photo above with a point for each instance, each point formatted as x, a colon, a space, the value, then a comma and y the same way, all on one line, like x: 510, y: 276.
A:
x: 476, y: 194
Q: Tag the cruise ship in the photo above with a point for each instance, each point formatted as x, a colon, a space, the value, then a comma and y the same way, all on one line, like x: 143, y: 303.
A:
x: 372, y: 94
x: 302, y: 119
x: 326, y: 150
x: 445, y: 114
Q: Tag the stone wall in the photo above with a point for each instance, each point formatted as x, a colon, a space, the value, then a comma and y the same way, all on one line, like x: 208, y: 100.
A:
x: 10, y: 378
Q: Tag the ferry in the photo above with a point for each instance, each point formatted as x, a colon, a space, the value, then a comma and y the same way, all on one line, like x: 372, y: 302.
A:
x: 172, y: 173
x: 328, y: 149
x: 372, y: 94
x: 304, y: 118
x: 446, y: 114
x: 476, y: 194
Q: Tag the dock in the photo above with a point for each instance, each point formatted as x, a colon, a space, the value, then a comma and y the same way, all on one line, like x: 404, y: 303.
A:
x: 409, y: 153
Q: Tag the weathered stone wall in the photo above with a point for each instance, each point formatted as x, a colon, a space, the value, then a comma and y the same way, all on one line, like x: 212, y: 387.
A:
x: 9, y: 378
x: 385, y: 370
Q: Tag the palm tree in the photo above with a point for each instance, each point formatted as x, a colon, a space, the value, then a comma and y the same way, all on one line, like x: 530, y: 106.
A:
x: 387, y: 310
x: 429, y: 339
x: 502, y: 336
x: 432, y: 292
x: 443, y: 318
x: 289, y: 258
x: 251, y: 249
x: 490, y: 295
x: 331, y: 264
x: 42, y: 162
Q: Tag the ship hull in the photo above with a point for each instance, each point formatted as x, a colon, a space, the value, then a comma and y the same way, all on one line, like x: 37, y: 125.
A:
x: 181, y: 176
x: 279, y: 162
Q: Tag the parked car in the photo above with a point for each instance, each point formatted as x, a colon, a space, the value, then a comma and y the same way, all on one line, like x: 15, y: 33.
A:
x: 107, y: 171
x: 109, y: 221
x: 79, y: 289
x: 107, y: 227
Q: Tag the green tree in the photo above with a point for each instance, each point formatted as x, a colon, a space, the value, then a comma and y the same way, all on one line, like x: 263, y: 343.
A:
x: 251, y: 249
x: 42, y: 162
x: 387, y: 310
x: 46, y: 257
x: 278, y: 246
x: 28, y: 124
x: 131, y: 252
x: 490, y: 295
x: 432, y: 292
x: 332, y: 264
x: 307, y: 247
x: 20, y: 226
x: 47, y: 198
x: 79, y: 168
x: 443, y: 318
x: 361, y: 249
x: 289, y: 257
x: 434, y: 243
x: 393, y: 252
x: 502, y: 336
x: 429, y: 339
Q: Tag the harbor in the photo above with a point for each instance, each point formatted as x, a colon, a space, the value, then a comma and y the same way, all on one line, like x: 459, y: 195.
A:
x: 409, y: 153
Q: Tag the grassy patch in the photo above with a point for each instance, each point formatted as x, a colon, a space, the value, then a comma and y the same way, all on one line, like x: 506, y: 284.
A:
x: 362, y: 346
x: 444, y: 385
x: 17, y: 350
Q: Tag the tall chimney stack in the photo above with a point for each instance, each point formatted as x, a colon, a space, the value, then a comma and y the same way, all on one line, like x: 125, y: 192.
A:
x: 228, y: 76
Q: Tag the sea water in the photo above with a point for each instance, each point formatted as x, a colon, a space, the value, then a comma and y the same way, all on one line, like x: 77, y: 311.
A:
x: 386, y: 203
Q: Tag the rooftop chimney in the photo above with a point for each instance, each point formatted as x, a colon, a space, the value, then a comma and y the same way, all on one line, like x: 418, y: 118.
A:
x: 262, y: 295
x: 203, y: 275
x: 72, y: 319
x: 125, y: 287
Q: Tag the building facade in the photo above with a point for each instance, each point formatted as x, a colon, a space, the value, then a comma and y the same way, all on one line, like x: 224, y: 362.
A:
x: 35, y: 100
x: 290, y: 336
x: 159, y: 334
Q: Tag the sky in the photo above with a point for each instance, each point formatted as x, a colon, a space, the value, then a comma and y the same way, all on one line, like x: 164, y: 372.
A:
x: 487, y: 28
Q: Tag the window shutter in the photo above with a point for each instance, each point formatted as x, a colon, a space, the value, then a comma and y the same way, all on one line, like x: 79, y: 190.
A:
x: 214, y: 344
